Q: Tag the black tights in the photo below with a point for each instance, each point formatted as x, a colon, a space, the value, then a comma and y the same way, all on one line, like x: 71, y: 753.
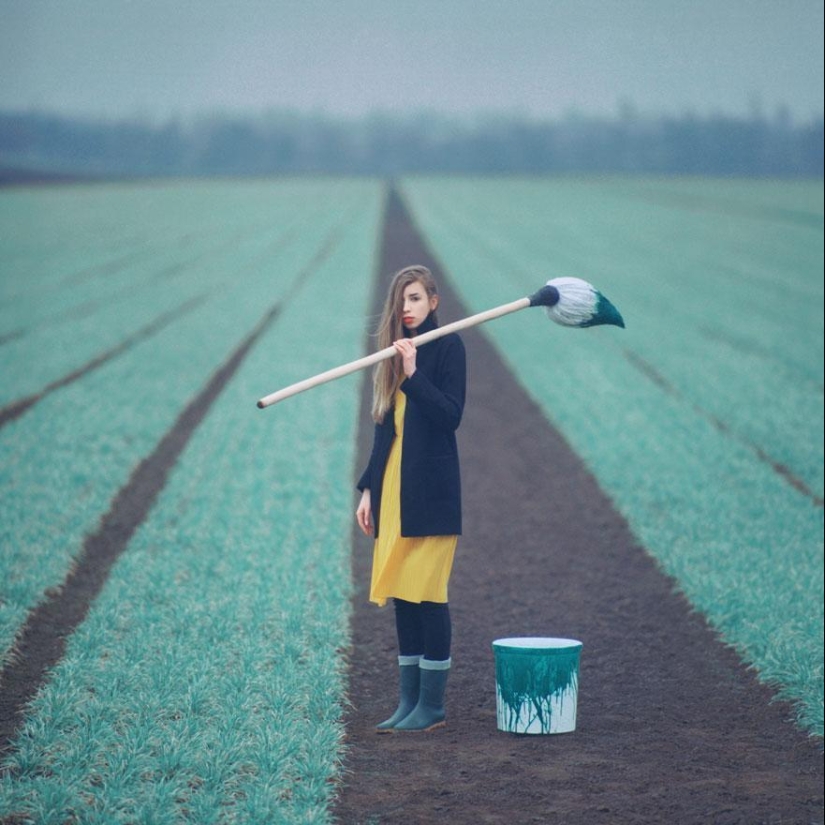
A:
x: 423, y: 629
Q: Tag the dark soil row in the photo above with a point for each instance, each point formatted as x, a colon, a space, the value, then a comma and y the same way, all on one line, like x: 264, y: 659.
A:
x: 42, y: 640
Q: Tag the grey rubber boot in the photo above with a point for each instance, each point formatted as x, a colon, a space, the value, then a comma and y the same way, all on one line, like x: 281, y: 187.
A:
x: 409, y: 680
x: 429, y: 713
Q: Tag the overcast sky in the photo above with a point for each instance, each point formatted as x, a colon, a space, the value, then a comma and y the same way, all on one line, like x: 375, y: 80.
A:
x: 540, y: 57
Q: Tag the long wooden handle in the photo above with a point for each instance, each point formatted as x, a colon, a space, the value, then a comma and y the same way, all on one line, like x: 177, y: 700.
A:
x: 388, y: 352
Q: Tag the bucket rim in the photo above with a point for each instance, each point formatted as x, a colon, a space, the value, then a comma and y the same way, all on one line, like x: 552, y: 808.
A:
x: 536, y: 643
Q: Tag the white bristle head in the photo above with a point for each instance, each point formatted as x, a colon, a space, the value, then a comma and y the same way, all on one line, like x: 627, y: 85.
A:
x: 578, y: 301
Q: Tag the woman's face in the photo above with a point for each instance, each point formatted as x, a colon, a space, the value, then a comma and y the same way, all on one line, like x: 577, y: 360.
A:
x: 416, y: 305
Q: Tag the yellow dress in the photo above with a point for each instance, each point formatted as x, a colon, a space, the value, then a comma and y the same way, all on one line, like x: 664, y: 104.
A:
x: 413, y: 569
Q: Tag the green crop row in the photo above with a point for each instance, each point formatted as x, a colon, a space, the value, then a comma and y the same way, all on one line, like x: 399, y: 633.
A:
x: 63, y: 461
x: 70, y: 313
x: 206, y: 683
x: 703, y: 419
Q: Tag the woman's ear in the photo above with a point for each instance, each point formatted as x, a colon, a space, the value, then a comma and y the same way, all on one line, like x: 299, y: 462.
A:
x: 433, y: 303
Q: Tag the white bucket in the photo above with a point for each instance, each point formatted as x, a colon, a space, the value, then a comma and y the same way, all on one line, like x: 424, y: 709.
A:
x: 537, y: 684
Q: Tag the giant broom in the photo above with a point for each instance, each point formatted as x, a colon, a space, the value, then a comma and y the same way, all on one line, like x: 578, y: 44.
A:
x: 570, y: 302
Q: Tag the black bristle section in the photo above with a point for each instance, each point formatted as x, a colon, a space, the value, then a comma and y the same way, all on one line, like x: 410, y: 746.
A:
x: 547, y: 296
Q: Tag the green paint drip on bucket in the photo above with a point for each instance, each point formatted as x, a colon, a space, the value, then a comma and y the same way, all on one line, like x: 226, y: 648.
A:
x: 537, y: 682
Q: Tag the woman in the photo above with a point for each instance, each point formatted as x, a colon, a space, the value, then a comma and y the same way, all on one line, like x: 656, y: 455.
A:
x: 411, y: 492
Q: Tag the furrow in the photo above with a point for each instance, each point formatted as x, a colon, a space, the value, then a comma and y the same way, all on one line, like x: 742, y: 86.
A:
x: 14, y: 410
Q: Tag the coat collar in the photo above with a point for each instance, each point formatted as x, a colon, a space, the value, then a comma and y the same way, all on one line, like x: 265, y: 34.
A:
x: 426, y: 325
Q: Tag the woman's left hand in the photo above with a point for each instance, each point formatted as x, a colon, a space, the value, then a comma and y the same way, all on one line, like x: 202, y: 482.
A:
x: 406, y: 349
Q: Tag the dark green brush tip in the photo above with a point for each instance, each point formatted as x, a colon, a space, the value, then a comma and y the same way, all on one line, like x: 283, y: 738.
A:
x: 605, y: 313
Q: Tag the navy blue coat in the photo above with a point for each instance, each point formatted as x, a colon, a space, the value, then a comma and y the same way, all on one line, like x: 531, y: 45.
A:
x: 430, y: 477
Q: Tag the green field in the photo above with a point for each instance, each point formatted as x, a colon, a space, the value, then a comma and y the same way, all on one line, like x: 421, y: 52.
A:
x: 703, y: 420
x: 207, y: 682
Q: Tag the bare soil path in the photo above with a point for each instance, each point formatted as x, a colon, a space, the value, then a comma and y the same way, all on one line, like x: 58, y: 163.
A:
x: 672, y: 728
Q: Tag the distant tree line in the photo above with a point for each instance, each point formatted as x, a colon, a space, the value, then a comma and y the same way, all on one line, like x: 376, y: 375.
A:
x: 46, y: 145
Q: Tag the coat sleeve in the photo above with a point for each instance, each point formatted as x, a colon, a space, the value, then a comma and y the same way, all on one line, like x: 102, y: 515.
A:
x: 365, y: 482
x: 443, y: 403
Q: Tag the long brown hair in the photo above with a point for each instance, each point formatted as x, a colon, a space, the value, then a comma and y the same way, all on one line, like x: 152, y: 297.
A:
x: 387, y: 375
